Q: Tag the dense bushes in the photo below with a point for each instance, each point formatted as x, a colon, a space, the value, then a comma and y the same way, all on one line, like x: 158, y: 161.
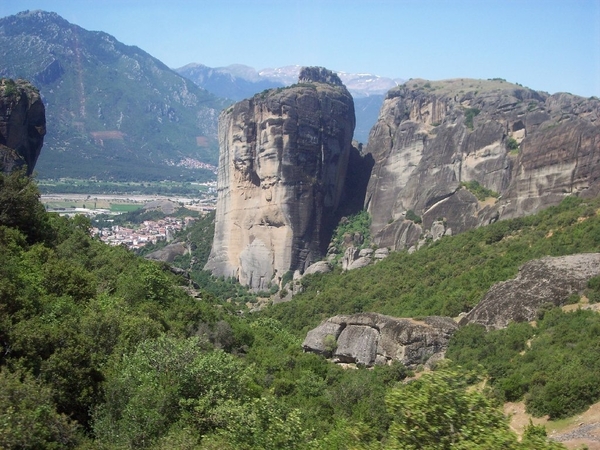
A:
x: 102, y: 349
x: 555, y: 366
x: 449, y: 276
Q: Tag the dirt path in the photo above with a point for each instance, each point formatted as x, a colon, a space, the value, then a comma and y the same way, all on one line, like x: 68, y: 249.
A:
x: 582, y: 429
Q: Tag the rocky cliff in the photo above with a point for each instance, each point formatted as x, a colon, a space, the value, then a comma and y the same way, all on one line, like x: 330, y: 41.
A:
x: 283, y: 160
x: 516, y: 149
x: 22, y: 125
x: 370, y: 338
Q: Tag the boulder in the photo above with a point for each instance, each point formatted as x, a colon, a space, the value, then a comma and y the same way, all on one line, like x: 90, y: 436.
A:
x: 169, y: 252
x: 359, y: 263
x: 350, y: 255
x: 318, y: 267
x: 540, y: 282
x: 381, y: 253
x: 371, y: 338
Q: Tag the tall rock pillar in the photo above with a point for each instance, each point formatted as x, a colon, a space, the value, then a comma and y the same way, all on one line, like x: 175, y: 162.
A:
x: 22, y: 125
x: 282, y: 166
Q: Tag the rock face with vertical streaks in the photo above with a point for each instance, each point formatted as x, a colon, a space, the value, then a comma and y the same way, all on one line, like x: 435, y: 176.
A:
x: 22, y: 125
x: 283, y: 160
x: 529, y: 148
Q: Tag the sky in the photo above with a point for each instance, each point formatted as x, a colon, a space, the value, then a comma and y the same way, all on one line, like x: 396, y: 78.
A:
x: 547, y: 45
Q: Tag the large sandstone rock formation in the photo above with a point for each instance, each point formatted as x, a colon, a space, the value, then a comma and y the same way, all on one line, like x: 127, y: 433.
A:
x: 282, y: 168
x: 22, y: 125
x: 370, y: 338
x: 529, y: 147
x: 549, y: 280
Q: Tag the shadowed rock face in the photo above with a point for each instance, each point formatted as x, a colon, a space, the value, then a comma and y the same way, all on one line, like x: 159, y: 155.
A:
x: 529, y: 147
x: 371, y: 338
x: 22, y: 125
x: 282, y: 168
x: 549, y: 280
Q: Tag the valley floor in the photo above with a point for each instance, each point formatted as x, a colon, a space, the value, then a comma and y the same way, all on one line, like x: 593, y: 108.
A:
x: 91, y: 204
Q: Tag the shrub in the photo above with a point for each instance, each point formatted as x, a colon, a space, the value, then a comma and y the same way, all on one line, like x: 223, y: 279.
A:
x: 470, y: 113
x: 478, y: 190
x: 411, y: 215
x: 512, y: 145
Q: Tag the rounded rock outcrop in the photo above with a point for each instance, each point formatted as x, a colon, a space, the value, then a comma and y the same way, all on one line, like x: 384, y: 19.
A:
x: 371, y: 338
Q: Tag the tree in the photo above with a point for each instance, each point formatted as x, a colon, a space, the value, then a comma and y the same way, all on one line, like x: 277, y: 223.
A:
x: 20, y: 206
x: 165, y: 381
x: 28, y: 417
x: 437, y: 411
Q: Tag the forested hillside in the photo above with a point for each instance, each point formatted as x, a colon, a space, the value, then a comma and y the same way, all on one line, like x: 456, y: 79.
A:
x: 102, y: 349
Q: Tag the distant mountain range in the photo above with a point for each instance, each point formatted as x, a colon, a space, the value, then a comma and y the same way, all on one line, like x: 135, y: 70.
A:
x: 113, y: 111
x: 238, y: 82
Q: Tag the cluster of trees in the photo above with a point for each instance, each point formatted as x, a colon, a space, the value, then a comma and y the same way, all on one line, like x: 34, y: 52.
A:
x: 102, y: 349
x: 448, y: 276
x: 554, y: 365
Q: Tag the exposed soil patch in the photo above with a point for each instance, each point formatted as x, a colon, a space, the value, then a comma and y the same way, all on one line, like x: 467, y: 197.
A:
x: 574, y: 432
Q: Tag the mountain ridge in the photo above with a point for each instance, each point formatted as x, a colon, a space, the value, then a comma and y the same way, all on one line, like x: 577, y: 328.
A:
x: 109, y: 102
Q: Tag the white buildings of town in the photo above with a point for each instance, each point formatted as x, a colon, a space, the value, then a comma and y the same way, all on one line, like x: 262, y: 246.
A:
x: 149, y: 232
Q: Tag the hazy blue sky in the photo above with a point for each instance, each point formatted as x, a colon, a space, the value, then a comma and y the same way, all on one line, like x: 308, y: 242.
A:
x: 547, y: 45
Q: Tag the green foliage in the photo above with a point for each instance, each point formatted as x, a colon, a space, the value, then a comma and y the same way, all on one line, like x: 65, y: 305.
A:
x: 438, y: 412
x: 357, y: 224
x: 257, y: 424
x: 164, y: 381
x: 512, y: 145
x: 411, y: 215
x: 554, y: 367
x: 20, y: 207
x: 69, y: 304
x: 28, y: 416
x: 103, y: 349
x: 470, y: 113
x: 449, y: 276
x: 479, y: 191
x: 9, y: 87
x: 593, y: 289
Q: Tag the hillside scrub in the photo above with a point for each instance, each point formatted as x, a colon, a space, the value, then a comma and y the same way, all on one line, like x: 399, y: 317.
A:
x: 554, y: 366
x: 448, y: 276
x: 102, y: 349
